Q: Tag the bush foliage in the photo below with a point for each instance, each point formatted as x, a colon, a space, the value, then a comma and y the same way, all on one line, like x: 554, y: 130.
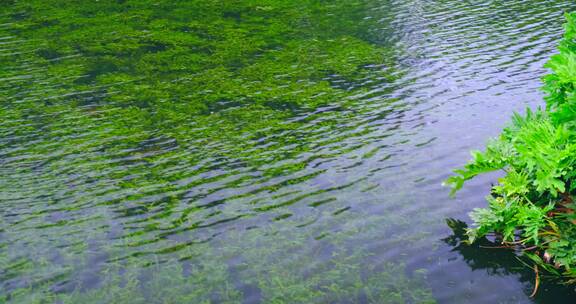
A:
x: 533, y: 204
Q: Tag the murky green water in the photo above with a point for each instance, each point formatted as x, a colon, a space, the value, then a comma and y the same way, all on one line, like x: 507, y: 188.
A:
x: 257, y: 151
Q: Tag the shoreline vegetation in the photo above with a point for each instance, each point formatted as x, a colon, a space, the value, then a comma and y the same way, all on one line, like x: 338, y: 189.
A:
x: 531, y: 209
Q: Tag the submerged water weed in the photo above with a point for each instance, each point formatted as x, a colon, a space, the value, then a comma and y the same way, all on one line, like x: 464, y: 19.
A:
x: 533, y: 205
x: 127, y: 123
x: 275, y: 263
x: 204, y: 70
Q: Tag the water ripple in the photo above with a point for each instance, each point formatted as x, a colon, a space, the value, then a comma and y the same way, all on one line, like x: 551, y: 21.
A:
x: 78, y: 187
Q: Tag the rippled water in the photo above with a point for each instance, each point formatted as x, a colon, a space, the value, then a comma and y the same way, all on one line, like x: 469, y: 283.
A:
x: 112, y: 189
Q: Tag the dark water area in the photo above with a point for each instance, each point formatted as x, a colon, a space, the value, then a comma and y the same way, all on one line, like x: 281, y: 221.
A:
x: 259, y: 151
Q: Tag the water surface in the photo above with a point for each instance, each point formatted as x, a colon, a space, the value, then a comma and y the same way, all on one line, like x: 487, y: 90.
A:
x: 270, y: 152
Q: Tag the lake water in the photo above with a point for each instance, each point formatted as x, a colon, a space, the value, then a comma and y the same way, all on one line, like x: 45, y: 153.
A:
x: 259, y: 151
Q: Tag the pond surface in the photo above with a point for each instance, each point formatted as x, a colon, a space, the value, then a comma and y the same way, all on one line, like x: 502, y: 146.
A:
x: 259, y: 151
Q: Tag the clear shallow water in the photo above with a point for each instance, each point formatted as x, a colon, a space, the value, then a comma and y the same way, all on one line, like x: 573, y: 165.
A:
x: 111, y: 193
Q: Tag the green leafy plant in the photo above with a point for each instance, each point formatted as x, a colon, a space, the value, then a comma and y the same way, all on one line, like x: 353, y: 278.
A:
x: 532, y: 205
